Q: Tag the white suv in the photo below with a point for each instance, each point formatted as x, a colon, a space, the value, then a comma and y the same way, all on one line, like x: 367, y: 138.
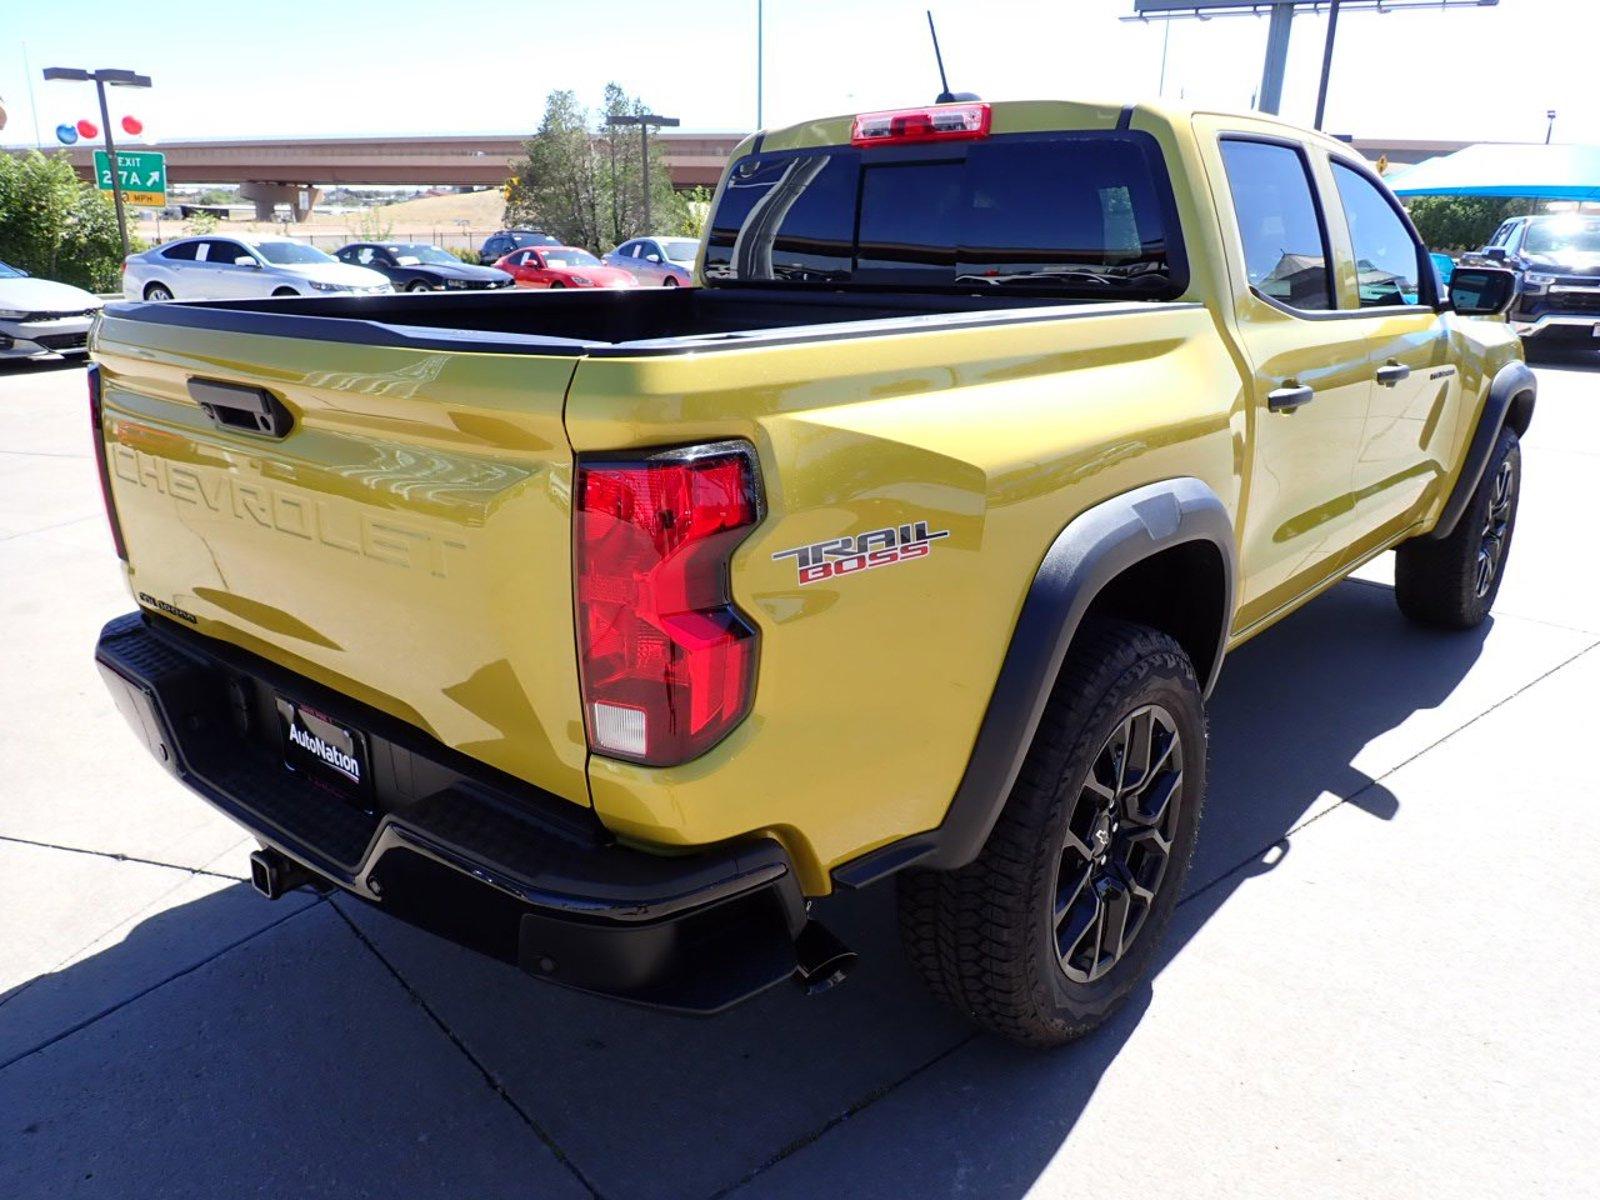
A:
x: 232, y: 268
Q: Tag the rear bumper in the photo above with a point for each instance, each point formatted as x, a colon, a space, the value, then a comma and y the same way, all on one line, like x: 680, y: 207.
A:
x: 478, y: 857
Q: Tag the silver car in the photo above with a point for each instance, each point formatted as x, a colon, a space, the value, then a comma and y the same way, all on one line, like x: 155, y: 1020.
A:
x: 236, y: 268
x: 667, y: 261
x: 40, y: 315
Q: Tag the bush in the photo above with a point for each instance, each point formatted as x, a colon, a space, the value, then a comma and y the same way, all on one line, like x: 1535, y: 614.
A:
x: 465, y: 253
x: 55, y: 227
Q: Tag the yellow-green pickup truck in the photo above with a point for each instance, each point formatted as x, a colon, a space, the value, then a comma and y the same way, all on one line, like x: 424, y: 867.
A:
x: 609, y: 633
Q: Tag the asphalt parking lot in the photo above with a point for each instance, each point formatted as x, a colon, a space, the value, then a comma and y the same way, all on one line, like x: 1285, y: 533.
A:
x: 1380, y: 983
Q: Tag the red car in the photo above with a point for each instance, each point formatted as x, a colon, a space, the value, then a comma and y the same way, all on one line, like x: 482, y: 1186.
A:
x: 562, y: 266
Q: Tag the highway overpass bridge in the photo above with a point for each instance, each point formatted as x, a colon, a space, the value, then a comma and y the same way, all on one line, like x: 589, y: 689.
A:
x: 292, y: 171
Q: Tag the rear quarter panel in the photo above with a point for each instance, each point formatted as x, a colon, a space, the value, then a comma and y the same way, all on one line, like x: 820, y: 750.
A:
x: 871, y: 687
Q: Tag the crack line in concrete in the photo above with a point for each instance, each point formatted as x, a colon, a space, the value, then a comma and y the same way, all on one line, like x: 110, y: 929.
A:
x: 871, y: 1098
x: 114, y: 856
x: 489, y: 1078
x: 143, y: 992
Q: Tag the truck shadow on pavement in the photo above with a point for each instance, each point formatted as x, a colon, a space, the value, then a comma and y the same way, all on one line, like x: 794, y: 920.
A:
x: 308, y: 1058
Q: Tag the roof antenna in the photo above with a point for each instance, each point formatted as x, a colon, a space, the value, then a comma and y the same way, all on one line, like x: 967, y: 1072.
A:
x: 946, y: 96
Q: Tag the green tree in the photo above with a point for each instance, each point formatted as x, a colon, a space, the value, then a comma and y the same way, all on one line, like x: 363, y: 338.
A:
x: 1455, y: 224
x: 583, y: 180
x: 54, y: 226
x: 374, y: 226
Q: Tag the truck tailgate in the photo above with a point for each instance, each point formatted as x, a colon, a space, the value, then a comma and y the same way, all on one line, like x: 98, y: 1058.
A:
x: 407, y: 542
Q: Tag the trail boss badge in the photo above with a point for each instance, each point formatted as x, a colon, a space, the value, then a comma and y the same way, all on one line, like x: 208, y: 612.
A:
x: 851, y: 555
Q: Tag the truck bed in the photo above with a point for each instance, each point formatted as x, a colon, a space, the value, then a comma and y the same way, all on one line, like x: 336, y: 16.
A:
x: 595, y: 323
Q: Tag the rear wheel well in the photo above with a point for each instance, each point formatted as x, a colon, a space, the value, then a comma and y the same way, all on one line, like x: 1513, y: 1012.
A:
x: 1181, y: 591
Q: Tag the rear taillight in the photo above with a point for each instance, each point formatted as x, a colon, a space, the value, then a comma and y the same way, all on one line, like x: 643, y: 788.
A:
x: 666, y: 661
x: 97, y: 435
x: 943, y: 123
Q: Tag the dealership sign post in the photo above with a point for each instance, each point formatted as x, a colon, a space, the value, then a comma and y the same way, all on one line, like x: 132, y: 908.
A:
x: 1281, y: 14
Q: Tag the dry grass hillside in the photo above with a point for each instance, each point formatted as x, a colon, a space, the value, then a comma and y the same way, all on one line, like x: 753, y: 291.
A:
x: 454, y: 219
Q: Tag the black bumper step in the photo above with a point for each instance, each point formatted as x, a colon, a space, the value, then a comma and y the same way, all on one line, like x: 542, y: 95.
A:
x: 485, y: 860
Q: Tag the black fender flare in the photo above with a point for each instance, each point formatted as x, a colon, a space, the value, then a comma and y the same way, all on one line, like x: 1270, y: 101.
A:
x: 1094, y: 548
x: 1510, y: 381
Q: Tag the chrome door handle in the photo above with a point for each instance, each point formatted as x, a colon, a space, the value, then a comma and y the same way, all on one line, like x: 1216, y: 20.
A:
x: 1289, y: 397
x: 1392, y: 373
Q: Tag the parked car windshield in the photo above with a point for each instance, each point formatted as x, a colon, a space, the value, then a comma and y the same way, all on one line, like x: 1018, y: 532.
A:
x: 1077, y: 213
x: 569, y: 256
x: 423, y: 253
x: 680, y: 249
x: 7, y: 271
x: 290, y: 253
x: 533, y: 239
x: 1562, y: 234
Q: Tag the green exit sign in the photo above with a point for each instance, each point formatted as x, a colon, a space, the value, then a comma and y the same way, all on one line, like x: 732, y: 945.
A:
x: 142, y: 174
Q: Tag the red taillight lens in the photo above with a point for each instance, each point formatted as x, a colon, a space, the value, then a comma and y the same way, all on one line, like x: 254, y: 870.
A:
x: 943, y: 123
x: 666, y: 661
x: 97, y: 435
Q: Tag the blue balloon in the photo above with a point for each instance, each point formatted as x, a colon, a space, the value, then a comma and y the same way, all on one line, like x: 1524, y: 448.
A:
x: 66, y: 134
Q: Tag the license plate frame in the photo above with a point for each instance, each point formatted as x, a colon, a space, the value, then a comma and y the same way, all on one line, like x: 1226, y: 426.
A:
x: 325, y: 750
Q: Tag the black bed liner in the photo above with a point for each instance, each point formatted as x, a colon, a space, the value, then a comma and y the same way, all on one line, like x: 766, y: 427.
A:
x: 609, y: 323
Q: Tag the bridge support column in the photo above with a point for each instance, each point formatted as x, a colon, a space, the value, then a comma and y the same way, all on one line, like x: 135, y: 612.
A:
x: 301, y: 198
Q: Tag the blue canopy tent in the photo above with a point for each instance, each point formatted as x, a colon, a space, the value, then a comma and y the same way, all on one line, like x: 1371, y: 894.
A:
x: 1536, y: 172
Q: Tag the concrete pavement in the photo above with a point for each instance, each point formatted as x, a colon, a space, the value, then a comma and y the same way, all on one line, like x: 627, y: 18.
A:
x: 1378, y: 985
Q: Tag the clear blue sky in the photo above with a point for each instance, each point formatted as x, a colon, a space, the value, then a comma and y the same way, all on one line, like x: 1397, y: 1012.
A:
x: 428, y: 66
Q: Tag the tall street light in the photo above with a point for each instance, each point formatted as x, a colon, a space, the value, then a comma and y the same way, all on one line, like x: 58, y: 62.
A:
x: 644, y: 121
x: 1550, y: 127
x: 100, y: 79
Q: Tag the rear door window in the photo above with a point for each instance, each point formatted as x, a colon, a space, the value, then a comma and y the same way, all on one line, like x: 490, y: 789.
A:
x: 1069, y: 213
x: 1285, y: 249
x: 181, y: 251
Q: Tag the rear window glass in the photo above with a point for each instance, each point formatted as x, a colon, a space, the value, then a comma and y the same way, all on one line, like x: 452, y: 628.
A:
x: 1072, y: 213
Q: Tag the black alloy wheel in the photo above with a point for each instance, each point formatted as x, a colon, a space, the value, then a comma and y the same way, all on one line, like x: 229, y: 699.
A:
x: 1119, y: 842
x: 1496, y: 526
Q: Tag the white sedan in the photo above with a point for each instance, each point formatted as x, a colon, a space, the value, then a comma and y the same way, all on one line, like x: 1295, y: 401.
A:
x: 38, y: 316
x: 235, y: 268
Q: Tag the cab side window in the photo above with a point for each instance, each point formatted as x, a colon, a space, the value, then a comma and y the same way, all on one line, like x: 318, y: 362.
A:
x: 1388, y: 260
x: 1285, y: 250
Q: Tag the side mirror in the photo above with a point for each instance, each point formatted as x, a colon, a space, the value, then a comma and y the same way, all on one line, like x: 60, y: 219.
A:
x: 244, y: 260
x: 1482, y: 291
x: 655, y: 258
x: 1495, y: 253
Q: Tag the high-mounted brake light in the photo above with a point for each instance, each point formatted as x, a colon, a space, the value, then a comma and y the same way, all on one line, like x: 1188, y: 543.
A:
x: 97, y: 434
x: 666, y: 660
x: 943, y: 123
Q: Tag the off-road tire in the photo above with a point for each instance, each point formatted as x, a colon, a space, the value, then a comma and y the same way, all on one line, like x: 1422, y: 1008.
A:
x: 1441, y: 583
x: 984, y: 937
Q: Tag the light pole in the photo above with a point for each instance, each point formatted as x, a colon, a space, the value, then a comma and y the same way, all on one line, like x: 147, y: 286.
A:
x: 1550, y: 127
x: 100, y: 78
x: 1327, y: 64
x: 760, y: 57
x: 644, y: 121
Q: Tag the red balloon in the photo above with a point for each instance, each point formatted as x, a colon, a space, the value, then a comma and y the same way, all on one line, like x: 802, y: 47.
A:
x: 88, y: 129
x: 132, y: 125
